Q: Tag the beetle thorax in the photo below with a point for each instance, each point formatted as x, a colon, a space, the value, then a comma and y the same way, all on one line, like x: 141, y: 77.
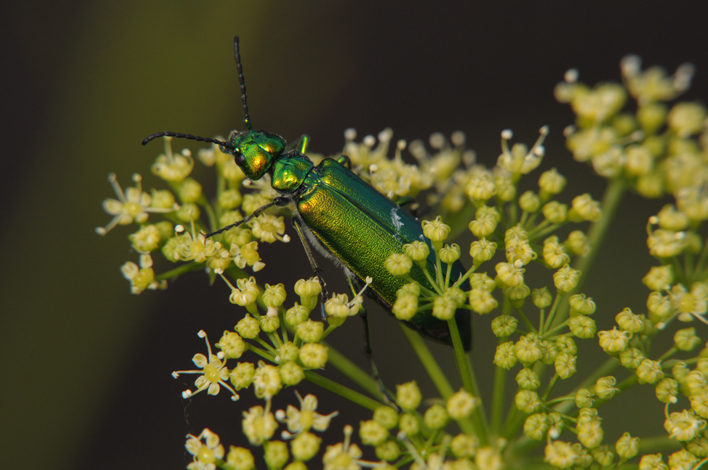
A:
x: 290, y: 171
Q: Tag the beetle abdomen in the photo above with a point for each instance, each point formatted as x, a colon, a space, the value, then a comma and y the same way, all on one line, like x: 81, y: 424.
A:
x: 362, y: 228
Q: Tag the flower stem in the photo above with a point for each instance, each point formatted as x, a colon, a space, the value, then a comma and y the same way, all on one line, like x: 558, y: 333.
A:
x: 178, y: 271
x: 556, y: 328
x: 607, y: 367
x: 525, y: 319
x: 354, y: 372
x: 672, y: 350
x: 550, y: 386
x: 551, y: 315
x: 610, y: 202
x: 479, y: 421
x: 679, y: 273
x: 213, y: 221
x: 596, y: 234
x: 437, y: 376
x: 688, y: 265
x: 428, y: 361
x: 627, y: 383
x: 509, y: 426
x: 342, y: 391
x: 701, y: 263
x: 650, y: 445
x: 498, y: 397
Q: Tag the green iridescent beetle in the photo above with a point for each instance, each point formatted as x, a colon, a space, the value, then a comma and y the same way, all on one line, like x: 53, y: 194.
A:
x: 343, y: 217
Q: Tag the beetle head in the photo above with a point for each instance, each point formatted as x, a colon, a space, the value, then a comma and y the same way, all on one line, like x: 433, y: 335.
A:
x: 254, y: 151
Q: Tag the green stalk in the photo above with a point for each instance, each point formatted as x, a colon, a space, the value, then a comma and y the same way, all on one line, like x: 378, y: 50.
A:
x: 610, y: 202
x: 509, y: 427
x: 479, y: 421
x: 688, y: 265
x: 537, y: 234
x: 701, y: 263
x: 463, y: 364
x: 513, y: 213
x: 554, y: 309
x: 261, y: 352
x: 342, y: 391
x: 211, y: 215
x: 679, y: 274
x: 549, y: 388
x: 354, y: 372
x: 514, y: 422
x: 608, y: 366
x: 428, y: 361
x: 652, y: 445
x: 672, y: 350
x: 178, y: 271
x: 627, y: 383
x: 498, y: 398
x: 526, y: 321
x: 557, y: 327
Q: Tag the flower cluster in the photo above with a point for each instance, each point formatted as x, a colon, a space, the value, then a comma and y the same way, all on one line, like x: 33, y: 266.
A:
x: 657, y: 150
x: 522, y: 270
x: 285, y: 357
x: 189, y: 213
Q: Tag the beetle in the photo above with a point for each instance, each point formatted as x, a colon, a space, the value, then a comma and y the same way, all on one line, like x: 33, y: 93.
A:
x: 338, y: 213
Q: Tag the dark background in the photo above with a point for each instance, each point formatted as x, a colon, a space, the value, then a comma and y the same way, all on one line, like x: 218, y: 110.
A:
x: 86, y: 366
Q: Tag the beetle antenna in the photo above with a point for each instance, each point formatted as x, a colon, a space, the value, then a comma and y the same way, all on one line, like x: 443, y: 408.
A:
x: 183, y: 136
x: 237, y: 56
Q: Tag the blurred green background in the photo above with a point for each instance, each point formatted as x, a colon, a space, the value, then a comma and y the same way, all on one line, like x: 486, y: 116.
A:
x: 85, y: 365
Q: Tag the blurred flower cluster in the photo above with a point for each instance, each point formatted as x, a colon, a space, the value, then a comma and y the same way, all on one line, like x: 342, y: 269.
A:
x: 633, y: 134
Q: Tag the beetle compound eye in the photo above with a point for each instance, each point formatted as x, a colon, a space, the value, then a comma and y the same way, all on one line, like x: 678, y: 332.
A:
x: 239, y: 158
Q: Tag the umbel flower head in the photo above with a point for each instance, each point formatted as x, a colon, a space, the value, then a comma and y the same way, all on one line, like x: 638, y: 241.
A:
x: 530, y: 249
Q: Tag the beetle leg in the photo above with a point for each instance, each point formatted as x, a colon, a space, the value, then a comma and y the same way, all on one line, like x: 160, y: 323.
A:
x: 278, y: 201
x: 363, y: 314
x: 345, y: 161
x: 300, y: 145
x: 297, y: 221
